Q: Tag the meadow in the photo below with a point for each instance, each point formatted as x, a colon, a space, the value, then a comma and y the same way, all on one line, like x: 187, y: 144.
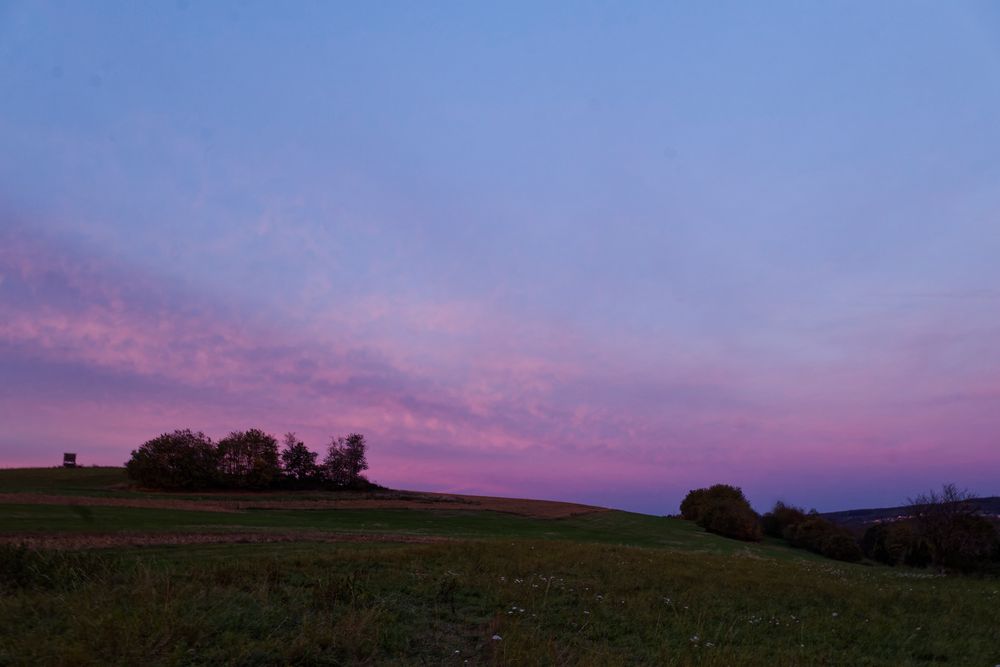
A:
x: 440, y: 585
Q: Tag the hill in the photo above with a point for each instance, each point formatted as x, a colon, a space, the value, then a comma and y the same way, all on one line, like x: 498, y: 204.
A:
x: 108, y: 486
x: 860, y: 519
x: 91, y: 575
x: 77, y: 507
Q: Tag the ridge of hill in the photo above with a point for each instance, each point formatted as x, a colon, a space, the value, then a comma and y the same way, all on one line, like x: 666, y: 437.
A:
x: 109, y: 487
x: 860, y: 519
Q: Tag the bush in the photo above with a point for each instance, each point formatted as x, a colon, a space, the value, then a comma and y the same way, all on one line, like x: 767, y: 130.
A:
x: 841, y: 545
x: 774, y: 522
x: 896, y: 543
x: 182, y: 460
x: 722, y: 509
x: 248, y: 459
x: 731, y: 518
x: 807, y: 534
x: 969, y: 546
x: 958, y: 537
x: 691, y: 506
x: 698, y: 500
x: 824, y: 537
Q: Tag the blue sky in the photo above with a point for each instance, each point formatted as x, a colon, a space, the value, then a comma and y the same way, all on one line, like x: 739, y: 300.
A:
x: 521, y: 244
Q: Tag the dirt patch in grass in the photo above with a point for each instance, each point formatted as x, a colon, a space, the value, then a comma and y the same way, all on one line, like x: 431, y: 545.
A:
x: 542, y: 509
x: 112, y: 540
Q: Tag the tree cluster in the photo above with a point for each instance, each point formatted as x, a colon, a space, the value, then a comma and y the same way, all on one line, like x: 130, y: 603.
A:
x: 896, y: 543
x: 944, y: 529
x: 812, y: 532
x: 247, y: 460
x: 724, y: 510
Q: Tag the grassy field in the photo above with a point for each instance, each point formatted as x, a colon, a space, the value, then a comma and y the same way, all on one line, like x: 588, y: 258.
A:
x: 76, y: 481
x: 610, y: 588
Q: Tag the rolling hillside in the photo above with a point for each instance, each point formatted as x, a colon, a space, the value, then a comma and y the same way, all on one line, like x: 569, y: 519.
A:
x: 93, y: 573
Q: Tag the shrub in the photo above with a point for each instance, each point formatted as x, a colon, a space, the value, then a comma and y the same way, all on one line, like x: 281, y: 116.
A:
x: 824, y: 537
x: 896, y: 543
x: 806, y: 534
x: 774, y: 522
x: 691, y: 506
x: 731, y: 518
x: 970, y: 545
x: 875, y: 543
x: 724, y: 510
x: 178, y: 460
x: 248, y: 459
x: 841, y: 545
x: 698, y: 500
x: 958, y: 537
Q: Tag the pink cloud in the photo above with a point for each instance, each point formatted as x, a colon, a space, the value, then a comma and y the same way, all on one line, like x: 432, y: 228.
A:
x: 455, y: 395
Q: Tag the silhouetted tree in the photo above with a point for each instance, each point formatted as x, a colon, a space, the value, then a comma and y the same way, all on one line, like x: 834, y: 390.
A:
x: 958, y: 536
x: 896, y: 543
x: 722, y: 509
x: 248, y: 459
x: 356, y: 451
x: 298, y: 463
x: 779, y: 518
x: 731, y: 518
x: 335, y: 463
x: 698, y: 500
x: 823, y: 537
x: 693, y: 504
x: 840, y: 545
x: 179, y: 460
x: 345, y: 460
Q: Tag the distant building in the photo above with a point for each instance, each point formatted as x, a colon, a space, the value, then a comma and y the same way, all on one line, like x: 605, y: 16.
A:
x: 69, y: 460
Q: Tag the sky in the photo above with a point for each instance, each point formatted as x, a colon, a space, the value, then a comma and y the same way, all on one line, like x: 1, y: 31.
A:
x: 600, y: 252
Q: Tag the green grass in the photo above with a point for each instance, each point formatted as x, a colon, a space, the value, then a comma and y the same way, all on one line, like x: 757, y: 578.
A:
x: 63, y: 481
x: 612, y: 588
x: 550, y: 602
x: 614, y: 527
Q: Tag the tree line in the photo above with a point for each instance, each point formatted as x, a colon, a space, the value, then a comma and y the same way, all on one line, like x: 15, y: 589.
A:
x: 942, y: 529
x: 248, y: 460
